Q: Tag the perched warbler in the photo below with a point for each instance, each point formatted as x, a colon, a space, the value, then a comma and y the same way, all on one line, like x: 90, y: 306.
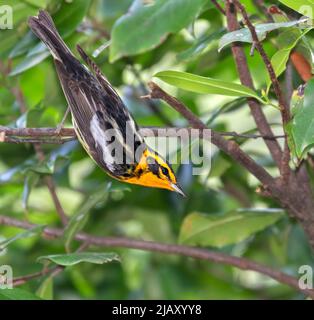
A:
x: 102, y: 123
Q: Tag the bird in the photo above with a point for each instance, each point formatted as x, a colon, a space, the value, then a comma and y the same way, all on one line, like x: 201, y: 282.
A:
x: 103, y: 124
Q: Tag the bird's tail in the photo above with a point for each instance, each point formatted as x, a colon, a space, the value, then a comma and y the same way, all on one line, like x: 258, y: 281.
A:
x: 46, y: 31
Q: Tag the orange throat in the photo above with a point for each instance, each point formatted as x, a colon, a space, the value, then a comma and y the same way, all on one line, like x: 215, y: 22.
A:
x: 145, y: 177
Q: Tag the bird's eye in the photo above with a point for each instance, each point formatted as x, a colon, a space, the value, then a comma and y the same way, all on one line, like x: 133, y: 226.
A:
x: 165, y: 170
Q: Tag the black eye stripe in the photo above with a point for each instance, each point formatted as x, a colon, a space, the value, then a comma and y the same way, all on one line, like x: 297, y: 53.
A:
x: 154, y: 168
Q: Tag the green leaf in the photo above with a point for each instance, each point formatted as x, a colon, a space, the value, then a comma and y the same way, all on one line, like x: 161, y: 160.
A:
x: 302, y: 124
x: 22, y: 169
x: 304, y: 7
x: 60, y: 154
x: 199, y: 84
x: 26, y: 234
x: 78, y: 220
x: 71, y: 259
x: 279, y: 60
x: 82, y: 283
x: 17, y: 294
x: 29, y: 62
x: 45, y: 290
x: 222, y: 230
x: 244, y: 35
x: 146, y: 26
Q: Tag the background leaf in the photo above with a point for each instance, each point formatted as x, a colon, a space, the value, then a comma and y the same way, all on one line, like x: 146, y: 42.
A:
x: 145, y: 27
x: 17, y: 294
x: 78, y: 220
x: 22, y: 235
x: 281, y: 57
x: 222, y: 230
x: 304, y: 7
x: 45, y: 290
x: 302, y: 125
x: 71, y: 259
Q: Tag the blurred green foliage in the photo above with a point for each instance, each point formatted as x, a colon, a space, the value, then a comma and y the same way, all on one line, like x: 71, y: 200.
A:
x: 146, y: 39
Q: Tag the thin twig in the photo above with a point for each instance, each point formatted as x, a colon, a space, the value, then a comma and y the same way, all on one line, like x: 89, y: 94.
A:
x: 263, y: 9
x: 45, y: 271
x: 246, y: 79
x: 219, y: 7
x: 51, y: 187
x: 187, y: 251
x: 151, y: 104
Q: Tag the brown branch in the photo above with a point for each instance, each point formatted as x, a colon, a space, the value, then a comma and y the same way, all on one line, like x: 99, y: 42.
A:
x: 246, y: 79
x: 50, y: 136
x: 284, y: 108
x: 187, y: 251
x: 229, y: 147
x: 289, y: 82
x: 45, y: 271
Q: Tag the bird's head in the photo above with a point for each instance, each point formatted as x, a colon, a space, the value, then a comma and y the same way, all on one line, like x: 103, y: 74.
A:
x: 153, y: 171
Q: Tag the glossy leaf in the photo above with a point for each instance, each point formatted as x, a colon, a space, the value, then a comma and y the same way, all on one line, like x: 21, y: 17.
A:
x: 280, y: 59
x: 244, y: 35
x: 222, y: 230
x: 71, y: 259
x: 144, y: 27
x: 199, y: 84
